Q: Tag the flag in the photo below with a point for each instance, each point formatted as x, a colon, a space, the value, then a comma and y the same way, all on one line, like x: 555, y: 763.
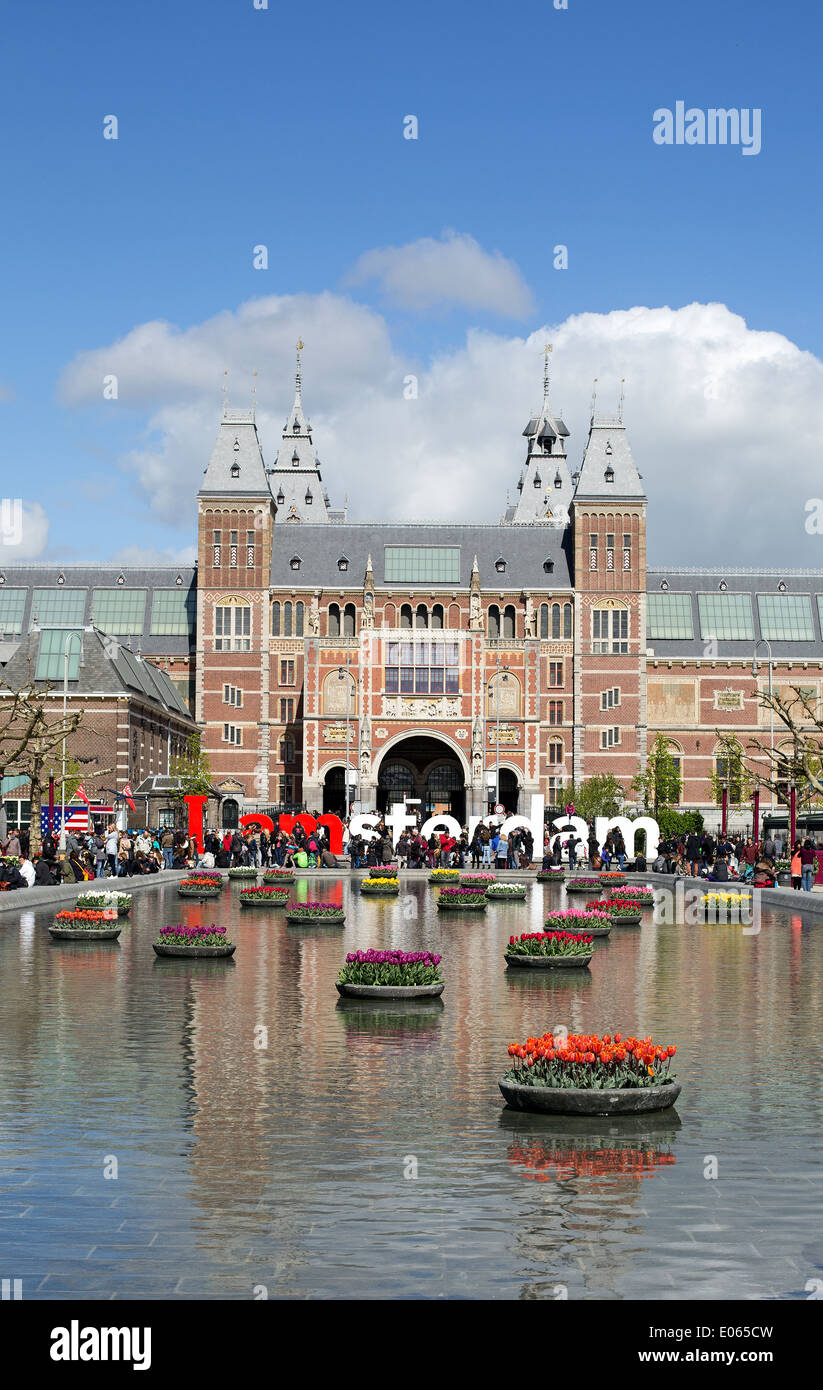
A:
x: 81, y: 792
x: 128, y: 794
x: 77, y: 816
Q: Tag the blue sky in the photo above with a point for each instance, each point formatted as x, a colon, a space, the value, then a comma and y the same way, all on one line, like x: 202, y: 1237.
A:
x: 284, y: 127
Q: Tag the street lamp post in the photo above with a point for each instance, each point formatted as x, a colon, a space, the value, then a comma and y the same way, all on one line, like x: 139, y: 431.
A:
x: 342, y: 673
x: 755, y: 668
x: 504, y: 672
x: 66, y: 646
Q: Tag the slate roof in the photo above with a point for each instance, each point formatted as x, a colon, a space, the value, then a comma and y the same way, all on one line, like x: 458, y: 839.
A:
x: 319, y: 547
x: 608, y: 448
x: 746, y: 581
x: 237, y: 444
x: 90, y: 577
x: 104, y: 669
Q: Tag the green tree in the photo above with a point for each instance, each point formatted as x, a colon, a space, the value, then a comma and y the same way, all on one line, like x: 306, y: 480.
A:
x: 190, y: 769
x: 731, y: 772
x: 659, y: 783
x: 601, y: 795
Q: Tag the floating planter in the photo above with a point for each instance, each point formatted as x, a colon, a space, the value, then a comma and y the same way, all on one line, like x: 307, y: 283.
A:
x: 444, y: 876
x: 105, y: 902
x: 506, y: 892
x: 592, y: 922
x: 462, y: 900
x: 201, y: 886
x: 481, y: 881
x: 382, y: 871
x: 583, y: 1074
x: 550, y: 950
x: 643, y: 896
x: 279, y: 876
x: 725, y: 909
x: 583, y: 885
x: 317, y: 914
x: 621, y: 912
x: 193, y: 941
x: 265, y: 897
x: 551, y: 875
x: 391, y: 975
x: 85, y: 925
x: 380, y: 886
x: 611, y: 880
x: 243, y: 871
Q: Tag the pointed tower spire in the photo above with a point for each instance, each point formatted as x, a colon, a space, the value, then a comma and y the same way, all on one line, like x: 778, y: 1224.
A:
x: 546, y: 351
x: 295, y: 478
x: 545, y: 486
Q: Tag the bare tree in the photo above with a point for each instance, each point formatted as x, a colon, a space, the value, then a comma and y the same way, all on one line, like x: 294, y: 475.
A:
x: 802, y: 764
x: 30, y: 736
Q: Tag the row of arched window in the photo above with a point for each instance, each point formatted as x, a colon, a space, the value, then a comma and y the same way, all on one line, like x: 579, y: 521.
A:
x: 287, y: 619
x: 552, y: 620
x: 342, y: 621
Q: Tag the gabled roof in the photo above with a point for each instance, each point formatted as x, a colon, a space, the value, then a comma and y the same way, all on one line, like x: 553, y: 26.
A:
x: 236, y: 452
x: 608, y: 451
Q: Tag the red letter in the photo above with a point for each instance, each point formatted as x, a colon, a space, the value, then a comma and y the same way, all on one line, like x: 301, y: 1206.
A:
x: 195, y: 805
x: 265, y: 822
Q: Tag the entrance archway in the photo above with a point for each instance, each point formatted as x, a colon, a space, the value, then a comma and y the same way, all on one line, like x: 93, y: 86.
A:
x: 425, y: 768
x: 334, y: 792
x: 509, y: 792
x: 230, y: 814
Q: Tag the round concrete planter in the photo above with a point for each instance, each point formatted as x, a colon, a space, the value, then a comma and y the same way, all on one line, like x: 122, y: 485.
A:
x: 583, y: 931
x: 572, y: 887
x: 551, y: 1100
x: 452, y: 881
x: 93, y: 934
x: 391, y: 991
x: 549, y: 877
x: 383, y: 891
x: 198, y: 952
x: 627, y: 921
x: 550, y: 962
x: 272, y: 880
x: 242, y: 875
x: 495, y: 895
x: 461, y: 907
x: 325, y: 921
x: 264, y: 902
x: 199, y: 892
x: 614, y: 882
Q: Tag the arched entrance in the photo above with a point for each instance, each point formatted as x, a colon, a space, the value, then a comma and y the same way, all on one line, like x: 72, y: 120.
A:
x: 334, y: 792
x: 509, y: 792
x: 229, y: 813
x: 427, y: 769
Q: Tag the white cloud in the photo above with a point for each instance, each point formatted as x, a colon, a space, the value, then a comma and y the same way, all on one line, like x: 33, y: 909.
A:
x: 725, y: 422
x: 139, y: 555
x: 24, y: 530
x: 456, y: 271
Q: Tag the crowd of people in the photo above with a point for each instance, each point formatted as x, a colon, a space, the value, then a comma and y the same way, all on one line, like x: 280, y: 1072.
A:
x: 106, y: 852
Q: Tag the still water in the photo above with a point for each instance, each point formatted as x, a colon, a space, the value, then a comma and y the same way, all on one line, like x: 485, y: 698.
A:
x: 289, y: 1167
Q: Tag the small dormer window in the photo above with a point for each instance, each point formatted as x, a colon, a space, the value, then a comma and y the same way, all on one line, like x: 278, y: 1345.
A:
x: 520, y: 483
x: 309, y: 498
x: 500, y: 565
x: 608, y: 446
x: 664, y: 584
x: 295, y: 458
x: 723, y: 585
x: 281, y: 498
x: 295, y: 562
x: 179, y: 579
x: 547, y: 446
x: 538, y: 481
x: 236, y: 444
x: 121, y: 579
x: 558, y: 481
x: 235, y: 470
x: 548, y: 566
x: 343, y: 562
x: 781, y: 588
x: 296, y: 427
x: 609, y: 474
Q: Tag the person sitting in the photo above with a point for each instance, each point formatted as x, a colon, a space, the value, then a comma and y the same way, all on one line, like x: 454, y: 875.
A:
x: 327, y: 859
x: 763, y: 874
x: 10, y: 877
x: 640, y: 864
x: 43, y: 876
x: 661, y: 864
x: 81, y: 872
x: 27, y: 871
x: 720, y: 870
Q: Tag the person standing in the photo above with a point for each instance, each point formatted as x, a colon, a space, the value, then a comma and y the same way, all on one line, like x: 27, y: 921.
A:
x: 808, y: 865
x: 571, y: 845
x: 797, y: 867
x: 111, y: 849
x: 167, y: 847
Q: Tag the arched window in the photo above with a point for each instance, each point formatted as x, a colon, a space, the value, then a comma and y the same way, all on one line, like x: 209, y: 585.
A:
x: 406, y: 615
x: 494, y: 620
x: 298, y: 620
x: 287, y: 619
x: 567, y: 620
x: 437, y: 616
x: 275, y: 620
x: 509, y: 620
x: 334, y: 620
x: 544, y: 620
x: 421, y: 617
x: 390, y: 615
x: 454, y: 615
x: 555, y: 753
x: 349, y: 620
x: 555, y: 621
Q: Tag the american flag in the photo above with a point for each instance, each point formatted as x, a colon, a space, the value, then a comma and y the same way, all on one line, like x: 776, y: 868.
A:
x: 76, y: 816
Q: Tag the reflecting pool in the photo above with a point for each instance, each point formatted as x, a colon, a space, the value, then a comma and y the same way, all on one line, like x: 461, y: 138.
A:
x: 213, y: 1129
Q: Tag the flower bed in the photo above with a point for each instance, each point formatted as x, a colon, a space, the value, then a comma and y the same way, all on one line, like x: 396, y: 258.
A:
x: 382, y: 871
x: 243, y: 871
x: 391, y: 974
x: 607, y: 879
x: 477, y: 880
x: 506, y: 892
x: 120, y: 902
x: 444, y: 876
x: 86, y: 925
x: 593, y: 921
x: 549, y: 949
x: 463, y: 899
x: 555, y: 875
x: 587, y: 1074
x: 265, y: 897
x: 279, y: 876
x: 727, y: 907
x: 201, y: 886
x: 329, y: 914
x: 621, y: 912
x: 389, y: 887
x: 193, y: 941
x: 583, y: 885
x: 642, y: 895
